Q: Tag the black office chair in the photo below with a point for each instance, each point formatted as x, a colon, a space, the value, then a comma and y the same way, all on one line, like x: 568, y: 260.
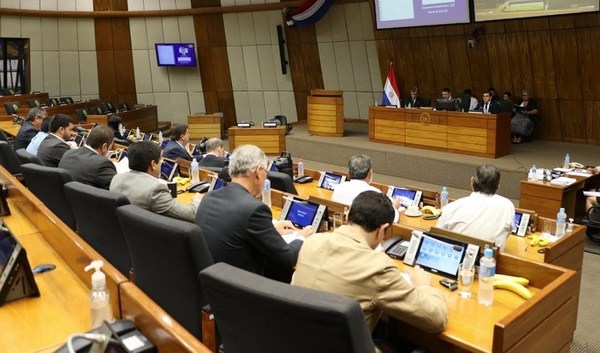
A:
x: 48, y: 184
x: 12, y: 107
x: 95, y: 212
x: 426, y: 101
x: 506, y: 106
x: 107, y: 107
x: 8, y: 159
x: 33, y: 103
x: 256, y: 314
x: 4, y: 138
x: 95, y: 111
x: 66, y: 100
x: 124, y: 107
x: 282, y: 182
x: 50, y: 102
x: 283, y: 122
x: 26, y: 157
x: 592, y: 221
x: 8, y: 92
x: 167, y: 254
x: 81, y: 114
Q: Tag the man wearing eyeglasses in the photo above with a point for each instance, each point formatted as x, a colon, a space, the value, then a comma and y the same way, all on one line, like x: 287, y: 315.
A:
x: 30, y: 127
x: 239, y: 228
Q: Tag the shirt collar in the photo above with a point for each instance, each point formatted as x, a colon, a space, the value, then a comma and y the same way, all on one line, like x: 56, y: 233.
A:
x: 58, y: 137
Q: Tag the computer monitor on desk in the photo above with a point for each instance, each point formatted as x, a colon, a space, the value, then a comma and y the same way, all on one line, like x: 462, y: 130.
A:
x: 445, y: 104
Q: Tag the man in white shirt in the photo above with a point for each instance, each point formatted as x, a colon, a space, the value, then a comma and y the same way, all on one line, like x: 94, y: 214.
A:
x: 34, y: 145
x: 483, y: 214
x: 360, y: 169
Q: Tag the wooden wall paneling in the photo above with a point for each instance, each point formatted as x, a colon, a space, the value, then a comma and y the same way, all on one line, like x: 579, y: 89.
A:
x: 107, y: 80
x: 227, y: 106
x: 301, y: 98
x: 124, y: 74
x: 542, y: 65
x: 297, y: 67
x: 549, y: 125
x: 587, y: 20
x: 499, y: 63
x: 386, y: 52
x: 103, y: 30
x: 220, y: 66
x: 517, y: 45
x: 404, y: 65
x: 443, y: 69
x: 121, y: 37
x: 537, y: 24
x: 461, y: 71
x: 479, y: 64
x: 592, y: 121
x: 589, y: 61
x: 421, y: 53
x: 565, y: 53
x: 515, y: 26
x: 455, y: 30
x: 312, y: 65
x: 561, y: 22
x: 572, y: 121
x: 209, y: 81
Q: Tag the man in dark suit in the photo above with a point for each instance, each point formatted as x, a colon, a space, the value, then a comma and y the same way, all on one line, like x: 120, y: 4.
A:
x: 487, y: 105
x: 215, y: 154
x: 176, y: 148
x: 238, y: 228
x: 30, y: 127
x: 89, y: 164
x: 414, y: 101
x: 54, y: 145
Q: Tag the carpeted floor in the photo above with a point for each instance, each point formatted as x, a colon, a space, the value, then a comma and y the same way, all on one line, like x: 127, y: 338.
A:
x: 587, y: 334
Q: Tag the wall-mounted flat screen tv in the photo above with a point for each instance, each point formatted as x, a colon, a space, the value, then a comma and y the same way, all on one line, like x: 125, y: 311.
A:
x: 412, y: 13
x: 489, y: 10
x: 175, y: 54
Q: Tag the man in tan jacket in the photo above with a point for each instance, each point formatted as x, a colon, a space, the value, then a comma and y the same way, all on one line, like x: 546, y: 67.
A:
x: 345, y: 262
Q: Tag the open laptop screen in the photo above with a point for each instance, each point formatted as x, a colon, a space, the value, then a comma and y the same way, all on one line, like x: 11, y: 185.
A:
x: 330, y: 180
x: 407, y: 197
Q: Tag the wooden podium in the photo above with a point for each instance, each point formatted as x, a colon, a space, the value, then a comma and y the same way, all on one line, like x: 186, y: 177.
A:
x: 269, y: 139
x: 326, y: 113
x: 205, y: 125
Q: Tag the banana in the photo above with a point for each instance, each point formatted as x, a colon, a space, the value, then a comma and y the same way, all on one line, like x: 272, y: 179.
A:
x: 513, y: 287
x: 544, y: 242
x: 521, y: 280
x: 535, y: 240
x: 430, y: 210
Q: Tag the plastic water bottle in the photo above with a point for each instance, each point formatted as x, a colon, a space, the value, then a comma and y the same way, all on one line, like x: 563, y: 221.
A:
x: 194, y: 171
x: 266, y: 193
x: 532, y: 173
x: 487, y: 271
x: 300, y: 168
x: 160, y: 137
x: 561, y: 222
x: 137, y: 133
x: 444, y: 197
x: 567, y: 161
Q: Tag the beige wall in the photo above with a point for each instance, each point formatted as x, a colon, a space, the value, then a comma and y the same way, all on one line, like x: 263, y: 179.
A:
x: 63, y: 53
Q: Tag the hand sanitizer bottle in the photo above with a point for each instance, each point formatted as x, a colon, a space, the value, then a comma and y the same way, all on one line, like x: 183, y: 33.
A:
x: 137, y: 133
x: 99, y: 295
x: 160, y: 137
x: 194, y: 171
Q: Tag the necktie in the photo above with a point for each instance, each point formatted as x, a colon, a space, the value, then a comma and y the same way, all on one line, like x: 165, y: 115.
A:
x: 486, y: 108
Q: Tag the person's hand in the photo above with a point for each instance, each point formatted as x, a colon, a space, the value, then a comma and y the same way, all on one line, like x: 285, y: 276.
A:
x: 396, y: 202
x: 306, y: 232
x: 419, y: 277
x: 285, y: 227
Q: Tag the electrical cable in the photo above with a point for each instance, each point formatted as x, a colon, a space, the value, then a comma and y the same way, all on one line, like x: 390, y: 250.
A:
x: 95, y: 337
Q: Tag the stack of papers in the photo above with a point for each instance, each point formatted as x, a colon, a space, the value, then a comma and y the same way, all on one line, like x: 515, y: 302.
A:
x: 564, y: 181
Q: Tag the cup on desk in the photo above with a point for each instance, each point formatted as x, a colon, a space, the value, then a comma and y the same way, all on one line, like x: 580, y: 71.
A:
x: 173, y: 188
x: 337, y: 219
x: 547, y: 228
x: 466, y: 274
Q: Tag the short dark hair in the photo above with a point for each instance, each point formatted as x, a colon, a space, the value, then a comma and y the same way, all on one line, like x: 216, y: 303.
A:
x: 99, y: 136
x: 415, y: 89
x: 508, y: 93
x: 370, y: 210
x: 468, y: 91
x: 45, y: 125
x: 359, y: 166
x: 486, y: 179
x: 60, y: 120
x: 142, y: 154
x: 177, y: 130
x: 34, y: 113
x: 114, y: 121
x: 446, y: 89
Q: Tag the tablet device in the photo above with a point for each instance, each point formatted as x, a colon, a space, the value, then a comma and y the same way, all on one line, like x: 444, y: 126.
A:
x: 168, y: 169
x: 147, y: 137
x: 330, y: 180
x: 164, y: 144
x: 272, y: 167
x: 521, y: 223
x: 407, y: 197
x: 79, y: 140
x: 302, y: 213
x: 122, y: 154
x: 216, y: 183
x: 126, y: 134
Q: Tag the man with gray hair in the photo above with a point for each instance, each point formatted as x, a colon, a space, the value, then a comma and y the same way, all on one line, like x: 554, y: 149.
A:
x: 214, y: 154
x: 239, y: 228
x: 483, y: 214
x: 360, y: 168
x: 30, y: 127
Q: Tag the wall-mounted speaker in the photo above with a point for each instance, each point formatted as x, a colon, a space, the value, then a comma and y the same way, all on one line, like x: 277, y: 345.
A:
x: 281, y: 42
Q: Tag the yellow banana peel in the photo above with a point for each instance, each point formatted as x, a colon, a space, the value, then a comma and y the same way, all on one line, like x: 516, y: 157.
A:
x: 430, y: 210
x: 544, y: 242
x: 521, y: 280
x: 514, y: 287
x: 535, y: 240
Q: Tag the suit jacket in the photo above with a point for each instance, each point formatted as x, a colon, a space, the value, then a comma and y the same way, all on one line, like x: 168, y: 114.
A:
x: 418, y: 102
x: 147, y: 192
x: 88, y: 167
x: 210, y: 160
x: 25, y: 134
x: 51, y: 150
x: 342, y: 262
x: 493, y: 108
x: 173, y: 150
x: 238, y: 229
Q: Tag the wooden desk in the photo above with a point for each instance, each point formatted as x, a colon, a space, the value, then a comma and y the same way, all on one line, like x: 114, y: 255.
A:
x: 270, y: 139
x: 205, y: 125
x: 486, y: 135
x: 325, y: 113
x: 546, y: 199
x: 10, y: 128
x: 22, y: 100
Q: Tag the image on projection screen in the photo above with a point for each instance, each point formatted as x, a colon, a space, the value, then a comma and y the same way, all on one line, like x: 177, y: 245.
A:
x: 411, y: 13
x: 489, y: 10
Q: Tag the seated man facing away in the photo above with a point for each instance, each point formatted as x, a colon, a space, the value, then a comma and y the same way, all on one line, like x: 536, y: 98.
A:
x: 215, y: 154
x: 89, y: 164
x: 30, y: 127
x: 239, y: 228
x: 176, y: 148
x: 483, y: 214
x: 345, y: 262
x: 34, y: 145
x: 360, y: 169
x: 142, y: 186
x: 54, y: 145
